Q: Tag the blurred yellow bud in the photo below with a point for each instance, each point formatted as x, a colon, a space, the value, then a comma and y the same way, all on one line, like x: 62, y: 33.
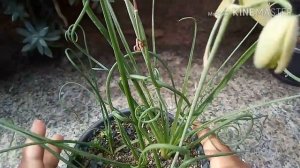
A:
x: 276, y: 42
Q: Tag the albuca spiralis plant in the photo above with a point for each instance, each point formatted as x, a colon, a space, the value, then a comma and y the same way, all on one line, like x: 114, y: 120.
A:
x: 157, y: 135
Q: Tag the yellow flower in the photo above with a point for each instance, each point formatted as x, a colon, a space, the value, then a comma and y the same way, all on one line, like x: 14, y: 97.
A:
x: 276, y: 42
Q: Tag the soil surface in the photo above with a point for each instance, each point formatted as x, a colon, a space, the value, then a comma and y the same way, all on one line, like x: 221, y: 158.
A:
x: 124, y: 154
x: 34, y: 91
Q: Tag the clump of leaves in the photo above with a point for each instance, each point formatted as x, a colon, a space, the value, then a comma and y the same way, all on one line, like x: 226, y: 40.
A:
x: 47, y: 18
x: 40, y: 33
x: 38, y: 37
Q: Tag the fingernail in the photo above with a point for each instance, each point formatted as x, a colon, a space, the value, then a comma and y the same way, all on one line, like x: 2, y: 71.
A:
x: 36, y: 123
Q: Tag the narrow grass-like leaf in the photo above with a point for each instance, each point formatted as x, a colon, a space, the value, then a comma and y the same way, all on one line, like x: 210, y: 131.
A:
x: 225, y: 80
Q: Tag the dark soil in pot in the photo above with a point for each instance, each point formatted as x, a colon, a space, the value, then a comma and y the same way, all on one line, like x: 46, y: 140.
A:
x: 95, y: 133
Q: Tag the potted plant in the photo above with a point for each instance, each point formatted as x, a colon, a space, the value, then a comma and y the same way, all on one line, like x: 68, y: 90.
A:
x: 146, y: 135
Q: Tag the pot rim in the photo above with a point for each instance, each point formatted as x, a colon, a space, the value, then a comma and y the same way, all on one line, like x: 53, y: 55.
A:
x: 90, y: 131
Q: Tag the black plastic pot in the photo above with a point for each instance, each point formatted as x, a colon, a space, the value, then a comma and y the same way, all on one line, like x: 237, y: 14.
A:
x: 99, y: 125
x: 293, y: 68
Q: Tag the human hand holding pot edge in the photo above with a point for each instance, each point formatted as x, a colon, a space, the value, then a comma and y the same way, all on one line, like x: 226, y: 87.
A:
x: 36, y: 157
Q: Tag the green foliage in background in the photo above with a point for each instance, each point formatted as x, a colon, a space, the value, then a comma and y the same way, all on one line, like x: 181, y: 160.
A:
x: 42, y: 21
x: 38, y: 38
x: 40, y: 29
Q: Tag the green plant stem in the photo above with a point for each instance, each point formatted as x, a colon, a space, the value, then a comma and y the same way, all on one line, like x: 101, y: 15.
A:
x: 97, y: 22
x: 187, y: 163
x: 206, y: 53
x: 292, y: 75
x: 145, y: 51
x: 140, y: 33
x: 223, y: 123
x: 215, y: 47
x: 140, y: 88
x: 156, y: 157
x: 153, y: 29
x: 121, y: 65
x: 127, y: 140
x: 99, y: 99
x: 250, y: 51
x: 209, y: 83
x: 155, y: 128
x: 185, y: 81
x: 79, y: 18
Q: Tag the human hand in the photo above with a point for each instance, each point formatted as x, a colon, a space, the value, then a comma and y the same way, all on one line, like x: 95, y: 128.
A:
x: 35, y: 156
x: 212, y: 146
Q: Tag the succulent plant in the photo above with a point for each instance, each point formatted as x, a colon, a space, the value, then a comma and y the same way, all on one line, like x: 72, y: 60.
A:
x: 38, y: 37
